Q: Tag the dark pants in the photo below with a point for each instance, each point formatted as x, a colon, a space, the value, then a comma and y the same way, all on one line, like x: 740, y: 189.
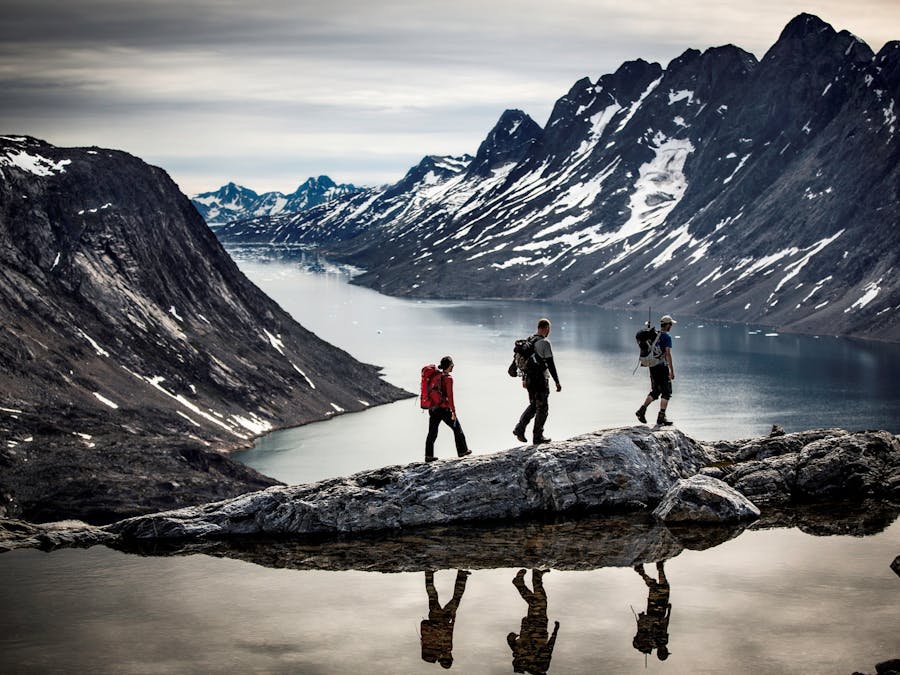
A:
x: 435, y: 417
x: 538, y: 409
x: 660, y: 384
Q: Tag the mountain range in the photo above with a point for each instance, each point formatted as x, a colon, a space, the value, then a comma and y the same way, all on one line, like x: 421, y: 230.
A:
x: 235, y: 202
x: 722, y: 186
x: 134, y: 353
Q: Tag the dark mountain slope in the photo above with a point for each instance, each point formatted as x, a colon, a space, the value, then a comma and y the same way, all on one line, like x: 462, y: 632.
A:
x: 133, y: 350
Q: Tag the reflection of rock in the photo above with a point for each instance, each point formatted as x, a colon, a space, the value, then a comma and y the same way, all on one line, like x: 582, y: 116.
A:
x: 703, y: 499
x: 891, y: 667
x: 699, y: 537
x: 855, y: 519
x: 587, y: 543
x: 48, y: 536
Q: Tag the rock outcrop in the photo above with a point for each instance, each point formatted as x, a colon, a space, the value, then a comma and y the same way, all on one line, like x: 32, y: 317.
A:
x: 701, y: 499
x: 623, y: 469
x: 812, y: 466
x: 633, y: 470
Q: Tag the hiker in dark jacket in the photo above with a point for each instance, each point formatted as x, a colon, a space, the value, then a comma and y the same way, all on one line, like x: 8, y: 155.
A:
x: 445, y: 412
x: 537, y: 382
x: 436, y: 631
x: 532, y: 648
x: 661, y: 376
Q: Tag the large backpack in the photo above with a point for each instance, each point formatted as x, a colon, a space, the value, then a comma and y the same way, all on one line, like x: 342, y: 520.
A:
x: 650, y: 353
x: 525, y: 359
x: 432, y: 395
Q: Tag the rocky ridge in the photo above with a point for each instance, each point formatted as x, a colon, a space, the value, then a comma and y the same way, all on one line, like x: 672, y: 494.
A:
x: 631, y: 470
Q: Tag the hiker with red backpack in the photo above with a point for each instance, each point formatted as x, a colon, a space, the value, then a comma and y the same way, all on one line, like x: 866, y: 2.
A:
x: 437, y: 398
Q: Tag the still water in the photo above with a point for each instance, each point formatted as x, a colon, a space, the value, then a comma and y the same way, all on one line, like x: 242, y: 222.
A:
x: 779, y: 600
x: 732, y: 380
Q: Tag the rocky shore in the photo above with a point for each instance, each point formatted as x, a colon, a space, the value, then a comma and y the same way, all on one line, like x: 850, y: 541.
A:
x: 662, y: 476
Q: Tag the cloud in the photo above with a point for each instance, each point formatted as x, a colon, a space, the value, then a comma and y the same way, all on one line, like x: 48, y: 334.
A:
x: 291, y: 83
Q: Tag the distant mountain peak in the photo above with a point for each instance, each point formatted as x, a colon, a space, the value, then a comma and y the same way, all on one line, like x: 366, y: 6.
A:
x: 506, y: 143
x: 236, y: 202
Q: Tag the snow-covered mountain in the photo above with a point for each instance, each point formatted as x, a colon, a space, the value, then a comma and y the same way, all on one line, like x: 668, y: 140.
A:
x: 235, y: 202
x: 721, y: 186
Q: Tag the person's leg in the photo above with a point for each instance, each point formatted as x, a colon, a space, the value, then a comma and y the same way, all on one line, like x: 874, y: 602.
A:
x: 458, y: 436
x: 519, y: 583
x: 641, y: 412
x: 434, y: 420
x: 431, y: 591
x: 541, y: 411
x: 526, y: 417
x: 462, y: 448
x: 458, y: 589
x: 665, y: 388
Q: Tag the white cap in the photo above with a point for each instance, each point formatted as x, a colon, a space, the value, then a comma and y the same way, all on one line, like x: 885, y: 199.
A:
x: 667, y: 319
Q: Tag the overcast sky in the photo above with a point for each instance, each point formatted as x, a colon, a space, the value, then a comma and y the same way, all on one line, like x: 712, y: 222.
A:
x: 268, y: 92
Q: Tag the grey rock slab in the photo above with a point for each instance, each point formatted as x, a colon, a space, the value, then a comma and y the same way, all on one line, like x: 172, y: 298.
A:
x: 705, y: 499
x: 628, y: 469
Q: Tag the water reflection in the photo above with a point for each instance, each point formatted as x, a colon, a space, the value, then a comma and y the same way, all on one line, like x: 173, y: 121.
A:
x: 586, y: 543
x: 59, y: 611
x: 653, y: 624
x: 436, y: 632
x: 532, y: 648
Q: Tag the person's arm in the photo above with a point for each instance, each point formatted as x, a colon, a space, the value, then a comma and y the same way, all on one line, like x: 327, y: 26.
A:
x: 551, y: 366
x: 545, y: 351
x: 670, y: 362
x: 448, y: 393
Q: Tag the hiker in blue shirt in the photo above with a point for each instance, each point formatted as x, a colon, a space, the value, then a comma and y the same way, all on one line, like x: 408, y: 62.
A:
x: 661, y: 376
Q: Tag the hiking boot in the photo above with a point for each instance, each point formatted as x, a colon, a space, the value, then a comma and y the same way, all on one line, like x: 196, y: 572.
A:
x: 640, y: 415
x: 431, y: 459
x: 466, y: 453
x: 542, y: 439
x: 662, y: 420
x: 520, y: 436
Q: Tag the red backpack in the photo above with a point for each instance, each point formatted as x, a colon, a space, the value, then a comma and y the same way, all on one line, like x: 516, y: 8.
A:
x: 432, y: 387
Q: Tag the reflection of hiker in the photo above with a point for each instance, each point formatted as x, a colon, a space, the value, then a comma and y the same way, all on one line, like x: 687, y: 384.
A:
x: 653, y: 625
x: 661, y: 376
x: 437, y: 629
x: 532, y: 649
x: 537, y: 382
x: 445, y: 412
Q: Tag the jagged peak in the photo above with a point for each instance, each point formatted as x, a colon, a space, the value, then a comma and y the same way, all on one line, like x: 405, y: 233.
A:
x: 887, y: 63
x: 804, y: 25
x: 687, y: 57
x: 507, y: 142
x: 514, y: 123
x: 630, y: 79
x: 809, y: 34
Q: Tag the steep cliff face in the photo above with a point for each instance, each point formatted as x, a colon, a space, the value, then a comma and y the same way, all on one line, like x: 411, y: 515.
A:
x: 132, y: 348
x: 720, y: 186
